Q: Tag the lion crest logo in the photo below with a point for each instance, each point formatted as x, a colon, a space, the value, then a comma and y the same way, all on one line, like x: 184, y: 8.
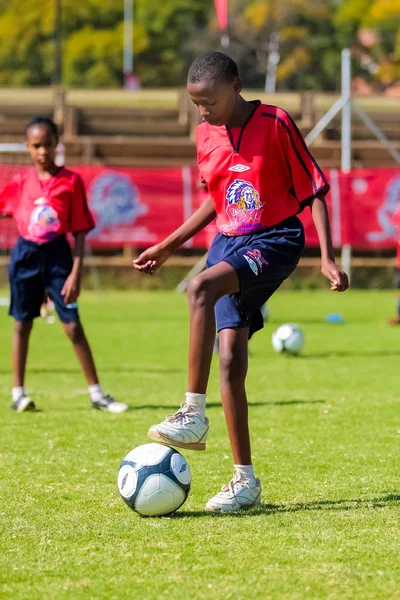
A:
x: 115, y: 200
x: 44, y: 223
x: 244, y: 207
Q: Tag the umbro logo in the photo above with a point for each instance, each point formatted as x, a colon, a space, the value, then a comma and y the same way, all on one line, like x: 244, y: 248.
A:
x: 239, y: 168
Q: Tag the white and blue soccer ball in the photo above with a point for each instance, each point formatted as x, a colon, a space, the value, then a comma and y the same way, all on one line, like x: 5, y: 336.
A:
x: 288, y: 338
x: 154, y: 480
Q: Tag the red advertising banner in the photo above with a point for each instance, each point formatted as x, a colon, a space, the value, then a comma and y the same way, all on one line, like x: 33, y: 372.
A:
x: 140, y: 207
x: 363, y: 207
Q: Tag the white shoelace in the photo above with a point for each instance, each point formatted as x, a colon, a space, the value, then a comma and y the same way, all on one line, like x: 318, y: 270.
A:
x: 184, y: 413
x: 230, y: 487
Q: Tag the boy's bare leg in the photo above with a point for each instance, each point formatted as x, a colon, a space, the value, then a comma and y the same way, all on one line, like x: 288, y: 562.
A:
x: 233, y: 360
x: 203, y: 292
x: 188, y: 428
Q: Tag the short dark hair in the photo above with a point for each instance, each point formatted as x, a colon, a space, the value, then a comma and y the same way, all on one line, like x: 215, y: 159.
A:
x: 46, y: 121
x: 213, y: 66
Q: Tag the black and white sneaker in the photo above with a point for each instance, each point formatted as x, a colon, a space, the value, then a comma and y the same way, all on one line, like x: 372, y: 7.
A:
x: 109, y: 404
x: 24, y: 403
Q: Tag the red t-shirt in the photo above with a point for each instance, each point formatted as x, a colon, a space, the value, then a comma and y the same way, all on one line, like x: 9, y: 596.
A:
x: 46, y: 209
x: 258, y: 175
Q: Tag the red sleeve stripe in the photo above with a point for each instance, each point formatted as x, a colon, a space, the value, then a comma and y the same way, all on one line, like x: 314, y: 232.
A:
x: 299, y: 157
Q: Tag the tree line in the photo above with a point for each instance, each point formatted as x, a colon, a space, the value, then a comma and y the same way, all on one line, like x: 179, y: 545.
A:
x: 306, y: 36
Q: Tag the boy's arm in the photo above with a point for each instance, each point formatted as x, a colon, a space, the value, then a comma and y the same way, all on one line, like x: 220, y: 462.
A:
x: 151, y: 259
x: 72, y: 285
x: 337, y: 277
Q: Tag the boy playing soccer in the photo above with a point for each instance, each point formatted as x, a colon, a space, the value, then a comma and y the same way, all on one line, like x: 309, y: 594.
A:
x: 259, y: 174
x: 47, y: 202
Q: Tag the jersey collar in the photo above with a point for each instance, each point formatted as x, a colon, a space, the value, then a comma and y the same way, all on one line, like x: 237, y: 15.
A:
x: 236, y: 148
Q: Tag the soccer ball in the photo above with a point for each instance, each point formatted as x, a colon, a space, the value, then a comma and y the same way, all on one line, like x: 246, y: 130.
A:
x: 288, y: 338
x: 154, y: 480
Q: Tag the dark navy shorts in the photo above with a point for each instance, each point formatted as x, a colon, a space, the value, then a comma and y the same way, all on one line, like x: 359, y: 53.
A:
x: 262, y: 260
x: 36, y: 269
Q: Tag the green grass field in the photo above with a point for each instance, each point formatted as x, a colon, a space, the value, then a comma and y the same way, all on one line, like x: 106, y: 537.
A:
x: 325, y: 434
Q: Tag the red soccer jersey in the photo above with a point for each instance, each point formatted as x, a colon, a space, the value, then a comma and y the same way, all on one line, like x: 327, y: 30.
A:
x: 46, y: 209
x: 258, y: 175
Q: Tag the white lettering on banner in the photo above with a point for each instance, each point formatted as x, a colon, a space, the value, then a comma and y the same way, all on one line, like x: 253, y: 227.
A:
x: 386, y: 213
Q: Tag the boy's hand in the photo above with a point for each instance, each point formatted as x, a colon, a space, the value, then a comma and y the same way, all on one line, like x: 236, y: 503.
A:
x: 151, y: 259
x: 71, y: 289
x: 337, y: 277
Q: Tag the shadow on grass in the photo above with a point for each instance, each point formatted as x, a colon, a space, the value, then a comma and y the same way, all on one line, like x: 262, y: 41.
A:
x: 317, y: 505
x: 77, y: 371
x: 219, y: 404
x: 85, y: 407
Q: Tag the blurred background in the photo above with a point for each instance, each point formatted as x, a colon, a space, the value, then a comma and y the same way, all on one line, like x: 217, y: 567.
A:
x: 112, y: 75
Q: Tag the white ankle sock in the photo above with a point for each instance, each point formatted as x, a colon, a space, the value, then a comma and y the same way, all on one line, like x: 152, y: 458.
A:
x: 95, y: 391
x: 197, y: 402
x: 245, y: 471
x: 17, y: 392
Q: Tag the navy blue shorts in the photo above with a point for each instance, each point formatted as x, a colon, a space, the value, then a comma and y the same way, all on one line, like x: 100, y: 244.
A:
x: 262, y: 260
x: 36, y: 269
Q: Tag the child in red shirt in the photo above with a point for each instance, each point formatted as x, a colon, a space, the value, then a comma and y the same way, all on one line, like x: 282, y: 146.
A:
x: 47, y: 202
x: 259, y: 175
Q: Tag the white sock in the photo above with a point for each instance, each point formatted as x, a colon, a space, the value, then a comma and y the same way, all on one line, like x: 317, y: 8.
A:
x: 17, y: 392
x: 245, y: 471
x: 95, y: 391
x: 197, y: 402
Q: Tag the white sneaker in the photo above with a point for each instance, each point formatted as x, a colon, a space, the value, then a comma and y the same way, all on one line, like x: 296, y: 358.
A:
x: 184, y: 429
x: 239, y: 494
x: 24, y: 403
x: 109, y: 404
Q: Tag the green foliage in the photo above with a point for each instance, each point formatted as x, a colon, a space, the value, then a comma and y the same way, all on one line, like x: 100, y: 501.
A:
x: 169, y: 25
x: 168, y: 33
x: 93, y: 41
x: 325, y: 436
x: 380, y: 20
x: 94, y: 58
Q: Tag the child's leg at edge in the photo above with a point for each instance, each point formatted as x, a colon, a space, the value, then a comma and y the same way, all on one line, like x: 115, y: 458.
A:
x: 20, y: 346
x: 76, y: 334
x: 83, y: 352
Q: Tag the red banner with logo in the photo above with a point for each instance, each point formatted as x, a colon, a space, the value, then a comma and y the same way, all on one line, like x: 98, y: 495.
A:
x: 363, y: 207
x: 140, y: 207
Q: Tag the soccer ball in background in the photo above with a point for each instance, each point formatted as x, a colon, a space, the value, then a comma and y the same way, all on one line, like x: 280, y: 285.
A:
x: 154, y: 480
x: 288, y: 338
